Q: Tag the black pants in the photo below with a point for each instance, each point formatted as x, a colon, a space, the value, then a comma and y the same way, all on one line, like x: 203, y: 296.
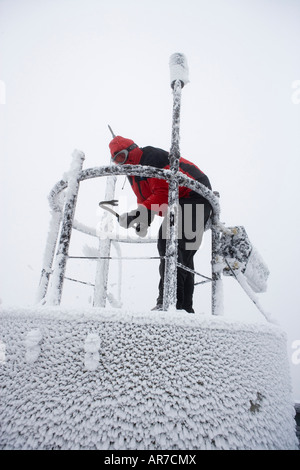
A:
x: 191, y: 220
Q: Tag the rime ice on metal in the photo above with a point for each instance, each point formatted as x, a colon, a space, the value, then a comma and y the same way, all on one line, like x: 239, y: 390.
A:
x: 66, y: 228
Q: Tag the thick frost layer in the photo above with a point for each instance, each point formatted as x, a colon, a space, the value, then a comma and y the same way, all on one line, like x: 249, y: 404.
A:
x: 117, y: 380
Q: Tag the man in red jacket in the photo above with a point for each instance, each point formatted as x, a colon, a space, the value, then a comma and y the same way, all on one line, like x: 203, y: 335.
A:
x: 152, y: 199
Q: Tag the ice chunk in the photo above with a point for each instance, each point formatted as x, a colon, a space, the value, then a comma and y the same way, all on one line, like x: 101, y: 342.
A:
x: 31, y: 342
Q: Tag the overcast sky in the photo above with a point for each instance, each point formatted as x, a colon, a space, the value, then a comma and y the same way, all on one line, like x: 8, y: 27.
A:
x: 70, y: 67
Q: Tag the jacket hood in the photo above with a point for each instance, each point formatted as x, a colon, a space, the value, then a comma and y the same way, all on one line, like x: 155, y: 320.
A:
x: 119, y: 143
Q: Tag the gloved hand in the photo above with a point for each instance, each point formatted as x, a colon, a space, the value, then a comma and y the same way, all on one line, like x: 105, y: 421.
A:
x: 141, y: 229
x: 139, y: 218
x: 126, y: 219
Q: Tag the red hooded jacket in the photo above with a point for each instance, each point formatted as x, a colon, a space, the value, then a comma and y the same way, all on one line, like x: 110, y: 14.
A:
x: 154, y: 191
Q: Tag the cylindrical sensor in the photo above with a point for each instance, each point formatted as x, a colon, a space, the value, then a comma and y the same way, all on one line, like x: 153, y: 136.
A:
x: 178, y: 69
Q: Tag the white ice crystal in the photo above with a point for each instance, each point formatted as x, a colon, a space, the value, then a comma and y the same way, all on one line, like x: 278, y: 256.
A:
x: 91, y: 347
x: 31, y: 342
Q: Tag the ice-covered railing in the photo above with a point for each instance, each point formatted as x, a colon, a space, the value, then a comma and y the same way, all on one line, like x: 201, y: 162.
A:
x: 63, y: 210
x: 224, y: 241
x: 137, y: 170
x: 64, y: 220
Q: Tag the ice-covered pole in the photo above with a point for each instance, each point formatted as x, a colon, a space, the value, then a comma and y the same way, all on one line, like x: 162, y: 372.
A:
x: 100, y: 291
x: 178, y: 78
x: 49, y: 254
x: 60, y: 262
x: 216, y: 270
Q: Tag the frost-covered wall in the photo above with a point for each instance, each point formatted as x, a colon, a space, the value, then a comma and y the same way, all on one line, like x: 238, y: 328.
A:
x: 114, y: 380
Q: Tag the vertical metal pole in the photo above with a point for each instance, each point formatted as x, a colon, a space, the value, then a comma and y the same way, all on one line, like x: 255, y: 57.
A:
x: 66, y: 229
x: 101, y: 279
x: 217, y: 266
x: 170, y: 279
x: 49, y: 254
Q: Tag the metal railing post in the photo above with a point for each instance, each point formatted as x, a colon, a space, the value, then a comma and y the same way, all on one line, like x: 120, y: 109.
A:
x: 170, y: 277
x: 101, y: 278
x: 60, y: 262
x: 49, y: 254
x: 178, y: 72
x: 216, y: 273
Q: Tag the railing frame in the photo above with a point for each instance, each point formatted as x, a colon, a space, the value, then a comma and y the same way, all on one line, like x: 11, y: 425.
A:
x: 56, y: 264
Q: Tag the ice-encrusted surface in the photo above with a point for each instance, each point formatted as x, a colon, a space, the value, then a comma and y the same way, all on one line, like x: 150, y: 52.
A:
x: 120, y: 380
